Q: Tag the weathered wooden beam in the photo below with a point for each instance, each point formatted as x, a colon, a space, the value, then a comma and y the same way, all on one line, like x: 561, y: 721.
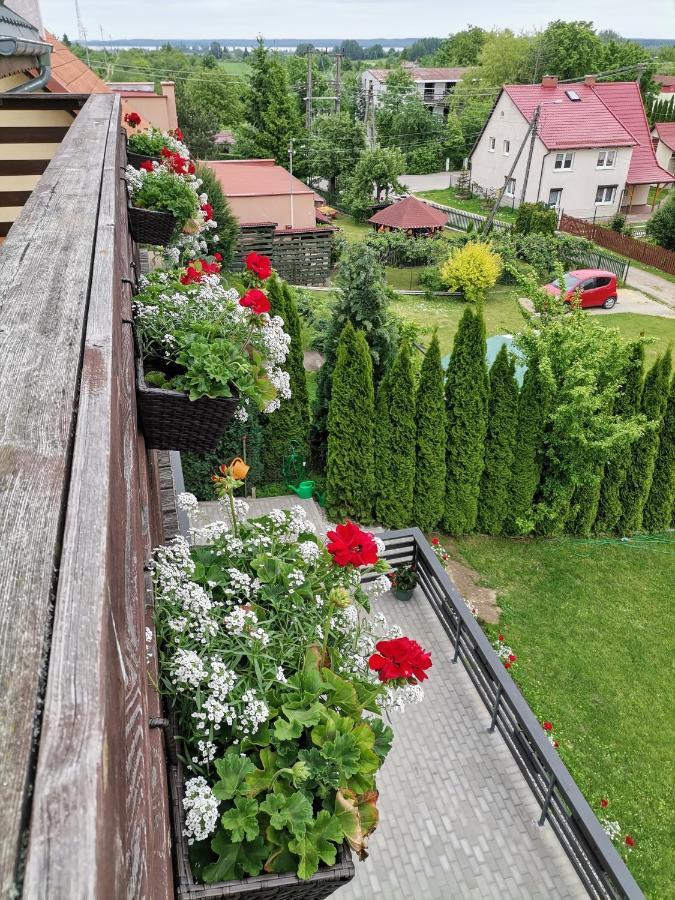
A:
x: 45, y: 266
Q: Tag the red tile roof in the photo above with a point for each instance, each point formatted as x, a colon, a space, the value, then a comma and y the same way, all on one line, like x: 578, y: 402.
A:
x: 623, y: 98
x: 667, y: 83
x: 255, y: 178
x: 666, y: 133
x: 70, y: 75
x: 567, y: 124
x: 424, y: 74
x: 409, y: 213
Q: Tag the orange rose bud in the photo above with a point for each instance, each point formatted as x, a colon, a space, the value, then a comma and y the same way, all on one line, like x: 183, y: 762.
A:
x: 239, y: 469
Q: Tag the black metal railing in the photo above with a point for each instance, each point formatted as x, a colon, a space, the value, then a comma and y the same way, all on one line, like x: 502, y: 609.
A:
x: 600, y: 868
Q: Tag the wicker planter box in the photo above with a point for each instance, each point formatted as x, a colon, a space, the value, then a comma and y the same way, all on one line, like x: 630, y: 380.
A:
x: 135, y: 159
x: 171, y: 421
x: 262, y: 887
x: 151, y: 226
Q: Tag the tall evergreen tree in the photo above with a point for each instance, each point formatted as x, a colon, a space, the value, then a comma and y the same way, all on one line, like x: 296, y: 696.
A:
x: 627, y: 403
x: 395, y: 490
x: 661, y: 501
x: 637, y: 485
x: 382, y: 438
x: 288, y: 427
x: 527, y: 453
x: 430, y: 447
x: 466, y: 403
x: 493, y: 505
x: 350, y: 479
x: 363, y: 300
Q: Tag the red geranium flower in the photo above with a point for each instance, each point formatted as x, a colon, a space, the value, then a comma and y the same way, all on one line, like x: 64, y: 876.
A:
x: 507, y: 665
x: 165, y: 152
x: 630, y: 842
x: 603, y: 803
x: 133, y: 119
x: 207, y: 209
x: 178, y: 134
x: 192, y: 275
x: 512, y: 657
x: 548, y: 726
x: 500, y: 637
x: 218, y: 257
x: 191, y: 168
x: 258, y: 264
x: 147, y: 165
x: 256, y: 300
x: 400, y: 658
x: 435, y: 541
x: 348, y: 544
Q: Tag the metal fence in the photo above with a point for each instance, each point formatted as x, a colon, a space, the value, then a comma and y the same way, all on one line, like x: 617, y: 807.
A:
x: 459, y: 219
x: 600, y: 868
x: 595, y: 259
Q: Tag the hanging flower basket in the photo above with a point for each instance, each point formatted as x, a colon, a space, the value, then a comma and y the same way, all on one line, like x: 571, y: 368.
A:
x: 171, y: 421
x: 261, y: 887
x: 151, y: 226
x: 136, y: 159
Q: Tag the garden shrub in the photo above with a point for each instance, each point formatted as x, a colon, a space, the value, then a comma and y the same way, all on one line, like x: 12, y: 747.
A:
x: 430, y: 445
x: 394, y: 248
x: 493, y: 503
x: 661, y: 226
x: 658, y: 510
x: 466, y: 404
x: 618, y: 223
x: 535, y: 218
x: 350, y: 480
x: 472, y: 269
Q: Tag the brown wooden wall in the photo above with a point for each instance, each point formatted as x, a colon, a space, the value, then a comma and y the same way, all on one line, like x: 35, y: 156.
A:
x: 82, y: 774
x: 299, y: 256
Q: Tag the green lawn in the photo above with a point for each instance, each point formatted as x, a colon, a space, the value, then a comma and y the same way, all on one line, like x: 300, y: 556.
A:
x: 353, y: 230
x: 404, y: 279
x: 449, y: 197
x: 591, y: 623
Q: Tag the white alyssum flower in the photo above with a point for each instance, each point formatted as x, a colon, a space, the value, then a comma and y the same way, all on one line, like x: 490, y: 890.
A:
x: 379, y: 586
x: 308, y: 551
x: 400, y: 697
x: 186, y: 501
x: 201, y: 810
x: 187, y: 668
x: 255, y: 712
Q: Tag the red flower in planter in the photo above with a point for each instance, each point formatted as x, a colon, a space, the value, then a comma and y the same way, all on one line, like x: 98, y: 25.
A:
x: 178, y: 134
x: 400, y: 658
x: 548, y: 726
x: 500, y: 637
x: 132, y: 119
x: 512, y: 657
x: 207, y: 209
x: 218, y: 257
x: 603, y: 803
x: 258, y: 264
x: 630, y: 842
x: 256, y: 300
x: 147, y: 165
x: 348, y: 544
x: 192, y: 275
x: 435, y: 542
x: 507, y: 665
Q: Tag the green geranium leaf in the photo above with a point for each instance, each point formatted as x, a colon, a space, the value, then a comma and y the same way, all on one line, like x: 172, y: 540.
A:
x: 367, y: 695
x: 293, y: 812
x: 303, y: 716
x: 333, y: 724
x: 344, y: 751
x: 261, y: 779
x: 342, y: 693
x: 235, y: 859
x: 317, y: 844
x: 287, y: 731
x: 384, y: 736
x: 232, y: 769
x: 242, y: 821
x: 323, y: 772
x: 280, y: 859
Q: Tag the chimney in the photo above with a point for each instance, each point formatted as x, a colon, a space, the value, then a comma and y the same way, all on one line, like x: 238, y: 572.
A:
x: 549, y: 81
x: 589, y: 80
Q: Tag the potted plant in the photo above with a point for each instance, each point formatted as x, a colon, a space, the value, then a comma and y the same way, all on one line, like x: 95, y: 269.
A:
x: 404, y: 582
x: 147, y: 145
x: 162, y: 201
x: 278, y: 680
x: 203, y: 348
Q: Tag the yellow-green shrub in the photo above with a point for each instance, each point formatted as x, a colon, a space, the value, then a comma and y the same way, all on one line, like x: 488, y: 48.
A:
x: 472, y: 269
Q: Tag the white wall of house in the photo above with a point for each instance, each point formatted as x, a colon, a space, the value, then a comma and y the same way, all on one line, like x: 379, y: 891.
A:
x: 574, y: 179
x: 433, y: 92
x: 665, y: 157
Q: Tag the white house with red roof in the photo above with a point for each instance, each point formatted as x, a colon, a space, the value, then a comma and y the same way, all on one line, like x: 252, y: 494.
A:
x: 592, y: 153
x: 664, y: 132
x: 434, y: 85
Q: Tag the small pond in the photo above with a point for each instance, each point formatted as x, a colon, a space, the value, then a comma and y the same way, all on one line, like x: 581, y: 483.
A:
x: 494, y: 345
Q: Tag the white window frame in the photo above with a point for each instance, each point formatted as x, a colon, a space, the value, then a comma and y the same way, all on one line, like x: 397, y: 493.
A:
x: 604, y: 188
x: 603, y: 157
x: 559, y: 191
x: 510, y: 189
x: 506, y: 147
x: 491, y: 144
x: 563, y: 157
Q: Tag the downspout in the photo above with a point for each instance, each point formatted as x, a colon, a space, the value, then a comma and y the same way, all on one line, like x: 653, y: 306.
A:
x: 40, y: 80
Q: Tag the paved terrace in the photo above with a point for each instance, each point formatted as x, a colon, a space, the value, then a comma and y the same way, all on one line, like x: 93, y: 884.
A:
x: 458, y: 820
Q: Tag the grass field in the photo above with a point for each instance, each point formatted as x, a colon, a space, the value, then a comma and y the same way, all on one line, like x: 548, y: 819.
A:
x: 449, y: 197
x: 591, y: 624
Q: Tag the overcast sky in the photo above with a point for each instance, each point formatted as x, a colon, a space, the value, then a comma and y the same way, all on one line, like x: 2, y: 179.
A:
x: 345, y: 18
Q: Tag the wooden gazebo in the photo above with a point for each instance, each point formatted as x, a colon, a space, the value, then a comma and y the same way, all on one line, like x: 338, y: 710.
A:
x: 412, y: 216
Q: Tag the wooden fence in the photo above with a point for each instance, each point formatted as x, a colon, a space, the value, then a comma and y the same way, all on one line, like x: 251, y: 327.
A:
x: 300, y: 255
x: 82, y: 773
x: 648, y: 254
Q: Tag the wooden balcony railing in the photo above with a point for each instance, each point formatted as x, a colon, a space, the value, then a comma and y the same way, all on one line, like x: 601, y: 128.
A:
x: 82, y: 773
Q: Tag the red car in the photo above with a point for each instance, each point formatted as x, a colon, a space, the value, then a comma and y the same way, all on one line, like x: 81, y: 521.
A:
x: 597, y: 287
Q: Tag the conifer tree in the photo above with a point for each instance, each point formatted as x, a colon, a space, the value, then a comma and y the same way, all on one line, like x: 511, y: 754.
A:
x: 614, y: 475
x: 495, y: 483
x: 466, y: 404
x: 395, y: 490
x: 637, y: 485
x: 527, y: 451
x: 661, y: 500
x: 296, y: 366
x: 430, y: 449
x: 350, y: 478
x: 382, y: 438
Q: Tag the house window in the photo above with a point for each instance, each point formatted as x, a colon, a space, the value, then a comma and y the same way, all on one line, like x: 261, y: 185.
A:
x: 606, y: 159
x: 606, y: 193
x: 507, y: 148
x: 491, y: 145
x: 510, y: 189
x: 563, y: 160
x: 554, y: 197
x: 429, y: 90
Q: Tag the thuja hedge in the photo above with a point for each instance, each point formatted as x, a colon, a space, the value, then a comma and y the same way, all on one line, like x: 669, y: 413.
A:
x: 430, y: 441
x: 659, y: 508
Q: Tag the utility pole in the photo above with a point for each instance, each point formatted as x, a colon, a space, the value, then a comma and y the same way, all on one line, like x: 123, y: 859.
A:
x: 338, y: 83
x: 290, y: 171
x: 487, y: 227
x: 533, y: 137
x: 308, y: 98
